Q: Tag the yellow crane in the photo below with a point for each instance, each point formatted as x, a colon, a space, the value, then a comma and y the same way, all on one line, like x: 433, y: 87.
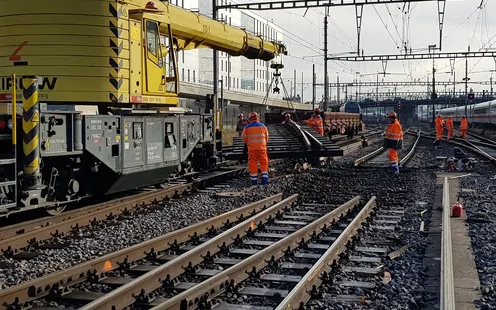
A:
x: 108, y: 52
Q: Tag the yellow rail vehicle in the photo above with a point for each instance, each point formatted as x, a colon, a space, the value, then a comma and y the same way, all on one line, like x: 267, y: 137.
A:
x: 110, y: 54
x: 107, y: 51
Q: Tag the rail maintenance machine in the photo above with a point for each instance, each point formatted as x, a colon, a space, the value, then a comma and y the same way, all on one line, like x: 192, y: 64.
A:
x: 120, y: 56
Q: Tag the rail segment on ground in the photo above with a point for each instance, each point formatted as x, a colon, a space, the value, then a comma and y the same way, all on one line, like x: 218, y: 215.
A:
x: 14, y: 238
x: 372, y: 158
x: 56, y: 283
x: 474, y: 144
x: 447, y: 289
x: 273, y: 226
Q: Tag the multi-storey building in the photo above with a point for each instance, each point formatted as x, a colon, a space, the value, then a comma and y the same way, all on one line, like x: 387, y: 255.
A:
x: 237, y: 73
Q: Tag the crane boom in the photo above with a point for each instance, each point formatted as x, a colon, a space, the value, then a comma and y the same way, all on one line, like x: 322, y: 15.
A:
x: 110, y: 52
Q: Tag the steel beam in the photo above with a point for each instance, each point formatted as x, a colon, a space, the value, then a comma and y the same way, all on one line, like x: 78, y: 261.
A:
x: 416, y: 56
x: 393, y: 84
x: 303, y: 4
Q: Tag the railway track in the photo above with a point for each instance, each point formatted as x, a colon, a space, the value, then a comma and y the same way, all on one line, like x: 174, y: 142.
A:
x: 483, y: 148
x: 23, y: 294
x: 374, y: 158
x: 190, y: 273
x: 16, y: 237
x: 350, y: 146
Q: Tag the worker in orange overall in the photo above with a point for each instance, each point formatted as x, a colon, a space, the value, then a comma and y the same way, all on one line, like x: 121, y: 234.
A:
x: 449, y: 125
x: 464, y: 127
x: 256, y: 137
x: 316, y: 122
x: 393, y: 141
x: 287, y: 117
x: 240, y: 125
x: 439, y: 127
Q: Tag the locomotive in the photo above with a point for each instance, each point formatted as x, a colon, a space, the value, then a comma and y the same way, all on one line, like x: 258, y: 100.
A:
x: 120, y: 57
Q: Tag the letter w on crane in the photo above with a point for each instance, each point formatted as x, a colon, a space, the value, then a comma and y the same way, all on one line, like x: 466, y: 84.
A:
x: 14, y: 56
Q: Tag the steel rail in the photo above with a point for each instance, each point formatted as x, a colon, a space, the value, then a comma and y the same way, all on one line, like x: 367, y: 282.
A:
x: 466, y: 145
x: 236, y: 274
x: 300, y: 294
x: 126, y: 295
x: 482, y: 138
x: 480, y: 151
x: 42, y: 229
x: 41, y: 287
x: 372, y: 155
x: 408, y: 156
x: 369, y: 156
x: 23, y: 227
x: 343, y: 143
x: 447, y: 281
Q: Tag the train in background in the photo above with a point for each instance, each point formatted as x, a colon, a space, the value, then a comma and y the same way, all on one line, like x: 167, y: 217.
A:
x: 351, y: 107
x: 480, y: 114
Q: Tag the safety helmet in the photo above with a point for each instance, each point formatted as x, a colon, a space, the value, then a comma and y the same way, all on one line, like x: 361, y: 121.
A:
x: 317, y: 111
x: 253, y: 116
x: 287, y: 115
x: 240, y: 115
x: 440, y: 116
x: 392, y: 115
x: 463, y: 116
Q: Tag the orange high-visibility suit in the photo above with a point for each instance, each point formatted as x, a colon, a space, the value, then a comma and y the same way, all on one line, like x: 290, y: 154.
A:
x: 393, y: 142
x: 464, y: 127
x: 256, y: 137
x: 449, y: 125
x: 439, y: 128
x: 316, y: 123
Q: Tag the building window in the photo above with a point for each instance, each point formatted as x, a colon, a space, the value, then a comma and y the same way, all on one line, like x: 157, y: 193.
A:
x: 188, y: 76
x: 182, y: 74
x: 194, y: 77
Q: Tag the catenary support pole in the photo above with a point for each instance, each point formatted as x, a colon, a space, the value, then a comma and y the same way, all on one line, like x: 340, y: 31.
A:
x: 326, y: 104
x: 314, y: 78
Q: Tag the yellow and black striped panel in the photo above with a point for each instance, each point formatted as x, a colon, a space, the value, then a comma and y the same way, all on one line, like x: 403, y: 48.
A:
x: 30, y: 126
x: 82, y: 44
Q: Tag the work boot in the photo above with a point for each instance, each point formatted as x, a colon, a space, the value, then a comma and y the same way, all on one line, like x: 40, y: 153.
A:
x: 254, y: 182
x: 396, y: 169
x: 265, y: 181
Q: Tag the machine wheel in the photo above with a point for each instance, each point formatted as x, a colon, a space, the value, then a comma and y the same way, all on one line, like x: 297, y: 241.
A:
x: 56, y: 210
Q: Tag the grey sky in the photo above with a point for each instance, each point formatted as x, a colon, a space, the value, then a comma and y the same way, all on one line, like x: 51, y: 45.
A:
x: 464, y: 25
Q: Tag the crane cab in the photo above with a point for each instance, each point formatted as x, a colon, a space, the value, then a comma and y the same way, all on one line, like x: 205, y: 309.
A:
x: 153, y: 66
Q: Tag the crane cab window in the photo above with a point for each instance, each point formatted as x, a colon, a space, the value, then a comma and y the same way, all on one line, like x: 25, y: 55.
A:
x: 153, y: 42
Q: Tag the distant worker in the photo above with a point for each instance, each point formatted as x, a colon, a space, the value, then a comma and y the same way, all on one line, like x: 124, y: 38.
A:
x: 449, y: 125
x: 393, y: 141
x: 365, y: 142
x: 240, y: 125
x: 316, y: 122
x: 287, y: 117
x: 256, y: 137
x: 439, y: 127
x: 464, y: 127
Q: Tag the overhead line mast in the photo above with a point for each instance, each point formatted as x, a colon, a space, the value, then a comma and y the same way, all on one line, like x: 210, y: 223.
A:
x: 302, y: 4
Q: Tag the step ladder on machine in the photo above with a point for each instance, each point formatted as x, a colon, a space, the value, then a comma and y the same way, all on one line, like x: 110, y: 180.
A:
x: 8, y: 159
